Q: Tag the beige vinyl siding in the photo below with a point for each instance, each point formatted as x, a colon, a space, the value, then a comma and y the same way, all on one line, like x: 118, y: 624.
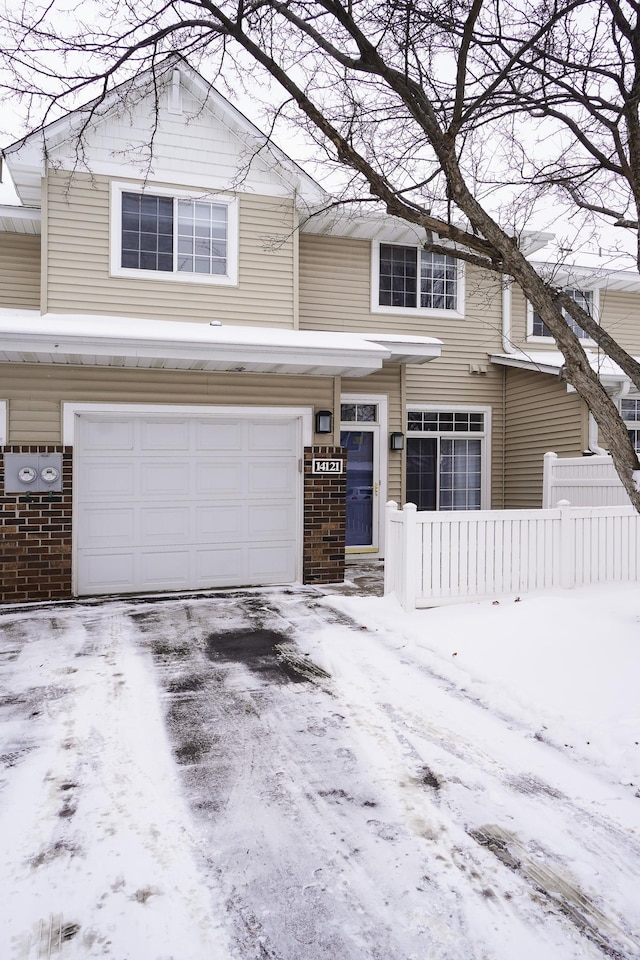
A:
x: 620, y: 315
x: 335, y: 294
x: 19, y: 271
x: 78, y: 279
x: 36, y: 392
x: 386, y: 383
x: 541, y: 416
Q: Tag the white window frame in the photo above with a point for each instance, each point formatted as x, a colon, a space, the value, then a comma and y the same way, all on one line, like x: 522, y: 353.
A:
x: 230, y: 278
x: 377, y: 307
x: 483, y: 435
x: 630, y: 424
x: 3, y: 423
x: 595, y: 305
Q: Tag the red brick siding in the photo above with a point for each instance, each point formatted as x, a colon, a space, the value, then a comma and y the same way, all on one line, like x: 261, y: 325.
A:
x: 324, y: 519
x: 35, y: 536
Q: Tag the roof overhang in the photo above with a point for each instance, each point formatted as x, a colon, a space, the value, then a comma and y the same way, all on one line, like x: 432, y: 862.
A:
x: 15, y: 219
x: 552, y: 362
x: 86, y: 340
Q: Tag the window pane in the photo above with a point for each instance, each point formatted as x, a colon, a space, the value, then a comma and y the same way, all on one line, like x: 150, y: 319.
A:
x: 460, y: 474
x: 438, y: 281
x: 348, y: 412
x: 630, y: 409
x: 366, y: 412
x: 147, y: 231
x: 398, y: 276
x: 421, y: 472
x: 204, y: 226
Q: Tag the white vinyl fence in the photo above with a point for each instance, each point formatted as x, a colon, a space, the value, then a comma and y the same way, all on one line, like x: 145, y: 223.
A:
x: 583, y: 481
x: 439, y: 557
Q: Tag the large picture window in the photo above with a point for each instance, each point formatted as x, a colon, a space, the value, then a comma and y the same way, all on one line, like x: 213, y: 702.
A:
x: 173, y: 236
x: 584, y: 298
x: 409, y: 278
x: 446, y: 452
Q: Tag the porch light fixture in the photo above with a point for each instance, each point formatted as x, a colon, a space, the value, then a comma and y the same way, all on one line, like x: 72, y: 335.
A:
x: 324, y: 421
x: 396, y: 441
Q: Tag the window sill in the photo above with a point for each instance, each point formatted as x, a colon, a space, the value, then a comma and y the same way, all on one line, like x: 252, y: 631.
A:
x: 214, y: 280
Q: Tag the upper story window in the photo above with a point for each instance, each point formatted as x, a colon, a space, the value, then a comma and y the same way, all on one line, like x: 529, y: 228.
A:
x: 584, y: 299
x: 410, y: 278
x: 630, y: 413
x: 173, y: 236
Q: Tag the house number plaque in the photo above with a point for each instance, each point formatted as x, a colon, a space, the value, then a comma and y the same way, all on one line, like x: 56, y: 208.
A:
x: 327, y: 466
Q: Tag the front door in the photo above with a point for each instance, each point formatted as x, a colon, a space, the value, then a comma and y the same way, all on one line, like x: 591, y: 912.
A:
x: 360, y: 434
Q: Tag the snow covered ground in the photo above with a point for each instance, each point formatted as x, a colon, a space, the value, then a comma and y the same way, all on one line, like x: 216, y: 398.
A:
x: 282, y: 775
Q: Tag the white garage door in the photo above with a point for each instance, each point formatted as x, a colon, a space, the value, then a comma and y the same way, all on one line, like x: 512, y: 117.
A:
x: 181, y: 503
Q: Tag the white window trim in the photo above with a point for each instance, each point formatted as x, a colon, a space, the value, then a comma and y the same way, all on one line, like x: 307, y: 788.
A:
x: 4, y: 432
x: 595, y: 293
x: 484, y: 435
x: 115, y: 240
x: 71, y: 410
x: 412, y: 311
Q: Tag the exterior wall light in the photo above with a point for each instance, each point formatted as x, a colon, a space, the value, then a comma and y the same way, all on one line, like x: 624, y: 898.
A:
x: 324, y: 421
x: 396, y: 441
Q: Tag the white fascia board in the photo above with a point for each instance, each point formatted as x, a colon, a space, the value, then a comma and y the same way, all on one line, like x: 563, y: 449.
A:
x: 526, y: 363
x: 407, y: 349
x: 14, y: 212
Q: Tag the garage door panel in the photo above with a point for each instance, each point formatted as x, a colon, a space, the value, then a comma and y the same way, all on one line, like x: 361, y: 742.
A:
x: 106, y: 434
x: 178, y: 503
x: 220, y: 478
x: 221, y: 521
x: 222, y: 435
x: 276, y: 521
x: 219, y: 566
x: 160, y: 434
x: 106, y: 571
x: 106, y: 478
x: 164, y: 524
x: 271, y: 436
x: 271, y: 560
x: 165, y: 569
x: 168, y: 478
x: 271, y: 478
x: 107, y: 527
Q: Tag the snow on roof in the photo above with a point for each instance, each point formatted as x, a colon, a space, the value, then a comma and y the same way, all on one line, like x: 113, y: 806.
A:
x: 87, y: 339
x: 552, y: 361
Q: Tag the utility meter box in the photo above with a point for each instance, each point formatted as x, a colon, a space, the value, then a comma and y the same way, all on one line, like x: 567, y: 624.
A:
x: 32, y: 472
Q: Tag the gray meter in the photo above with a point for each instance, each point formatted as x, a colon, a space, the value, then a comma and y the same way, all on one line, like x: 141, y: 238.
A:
x: 32, y: 472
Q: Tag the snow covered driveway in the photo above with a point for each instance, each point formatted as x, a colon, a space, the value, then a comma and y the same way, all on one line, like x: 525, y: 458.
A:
x: 271, y: 775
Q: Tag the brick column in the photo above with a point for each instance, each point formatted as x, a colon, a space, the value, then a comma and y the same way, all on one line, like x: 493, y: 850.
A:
x: 35, y: 536
x: 324, y: 518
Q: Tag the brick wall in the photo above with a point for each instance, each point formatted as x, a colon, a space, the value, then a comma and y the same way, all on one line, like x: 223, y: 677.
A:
x: 324, y: 519
x: 35, y: 536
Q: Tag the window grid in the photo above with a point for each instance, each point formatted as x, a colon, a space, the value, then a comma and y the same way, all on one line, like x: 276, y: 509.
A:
x: 460, y: 474
x: 584, y: 298
x: 445, y: 421
x: 359, y: 412
x: 148, y: 226
x: 147, y: 232
x: 438, y: 281
x: 202, y: 237
x: 399, y: 268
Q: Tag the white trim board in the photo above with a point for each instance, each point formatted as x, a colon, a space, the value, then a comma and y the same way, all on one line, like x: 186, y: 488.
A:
x: 71, y: 410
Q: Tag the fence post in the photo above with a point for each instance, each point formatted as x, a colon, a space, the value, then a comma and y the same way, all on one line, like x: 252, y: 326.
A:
x: 411, y: 557
x: 547, y: 479
x: 391, y: 557
x: 567, y: 546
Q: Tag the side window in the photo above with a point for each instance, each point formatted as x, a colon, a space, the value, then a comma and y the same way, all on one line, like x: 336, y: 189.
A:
x: 409, y: 278
x: 585, y: 299
x: 174, y: 237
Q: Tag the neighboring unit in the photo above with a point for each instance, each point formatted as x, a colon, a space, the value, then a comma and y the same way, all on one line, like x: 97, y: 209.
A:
x: 189, y: 337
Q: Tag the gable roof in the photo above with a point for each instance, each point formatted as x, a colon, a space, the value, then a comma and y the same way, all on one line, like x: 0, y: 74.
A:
x: 26, y: 158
